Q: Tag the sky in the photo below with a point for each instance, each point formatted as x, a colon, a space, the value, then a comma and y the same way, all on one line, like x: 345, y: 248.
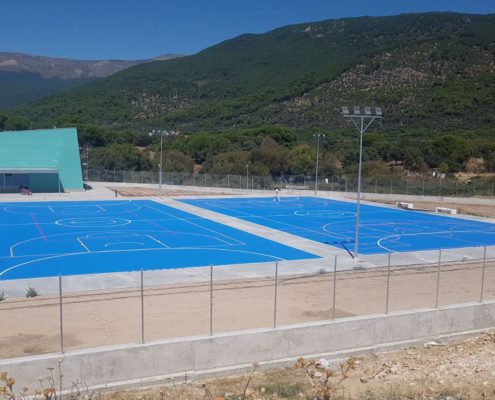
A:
x: 142, y: 29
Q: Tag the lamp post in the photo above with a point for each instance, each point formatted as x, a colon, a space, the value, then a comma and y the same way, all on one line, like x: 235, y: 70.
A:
x: 318, y: 135
x: 160, y: 171
x: 87, y: 163
x: 247, y: 178
x: 358, y: 119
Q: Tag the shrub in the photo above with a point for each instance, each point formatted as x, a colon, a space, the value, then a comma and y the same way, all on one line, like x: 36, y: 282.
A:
x: 284, y: 390
x: 32, y: 292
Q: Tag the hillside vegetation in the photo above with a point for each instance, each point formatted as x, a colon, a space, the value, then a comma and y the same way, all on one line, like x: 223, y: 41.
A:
x: 433, y: 74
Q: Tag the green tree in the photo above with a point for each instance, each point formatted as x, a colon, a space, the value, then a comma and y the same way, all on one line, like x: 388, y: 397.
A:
x: 230, y: 162
x: 16, y: 123
x: 176, y: 161
x: 270, y: 157
x: 453, y: 150
x: 302, y: 160
x: 488, y: 154
x: 119, y: 157
x: 203, y: 146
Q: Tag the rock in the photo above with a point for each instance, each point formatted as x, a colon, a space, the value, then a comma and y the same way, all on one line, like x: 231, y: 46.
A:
x: 363, y: 380
x: 324, y: 362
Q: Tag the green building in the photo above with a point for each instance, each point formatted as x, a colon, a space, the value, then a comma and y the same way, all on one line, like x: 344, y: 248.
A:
x: 43, y: 160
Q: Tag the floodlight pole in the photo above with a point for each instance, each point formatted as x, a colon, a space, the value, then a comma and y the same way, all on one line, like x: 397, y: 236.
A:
x: 87, y: 164
x: 358, y: 120
x: 160, y: 171
x: 318, y: 135
x: 161, y: 165
x: 247, y: 178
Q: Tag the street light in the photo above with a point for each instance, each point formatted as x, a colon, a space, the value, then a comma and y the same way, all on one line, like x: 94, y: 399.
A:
x: 161, y: 133
x: 247, y: 178
x: 318, y: 135
x: 357, y: 119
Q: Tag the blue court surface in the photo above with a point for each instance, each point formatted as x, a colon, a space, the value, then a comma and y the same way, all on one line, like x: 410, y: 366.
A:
x: 71, y: 238
x: 333, y: 222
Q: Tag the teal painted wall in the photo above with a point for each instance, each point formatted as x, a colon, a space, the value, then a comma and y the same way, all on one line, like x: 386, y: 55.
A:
x: 44, y: 183
x: 44, y: 148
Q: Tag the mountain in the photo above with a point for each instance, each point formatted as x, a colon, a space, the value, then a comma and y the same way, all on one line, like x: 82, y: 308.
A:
x: 25, y: 77
x: 429, y: 72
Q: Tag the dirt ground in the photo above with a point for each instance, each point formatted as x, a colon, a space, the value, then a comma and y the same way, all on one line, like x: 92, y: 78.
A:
x: 465, y: 209
x: 108, y: 317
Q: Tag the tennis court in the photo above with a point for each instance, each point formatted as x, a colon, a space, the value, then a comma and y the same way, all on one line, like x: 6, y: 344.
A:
x: 42, y: 239
x: 333, y: 222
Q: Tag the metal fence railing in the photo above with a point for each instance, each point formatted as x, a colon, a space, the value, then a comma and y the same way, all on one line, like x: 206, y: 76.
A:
x: 152, y: 305
x: 430, y: 186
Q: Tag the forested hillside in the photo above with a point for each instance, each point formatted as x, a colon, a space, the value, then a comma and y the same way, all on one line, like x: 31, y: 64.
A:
x: 433, y: 74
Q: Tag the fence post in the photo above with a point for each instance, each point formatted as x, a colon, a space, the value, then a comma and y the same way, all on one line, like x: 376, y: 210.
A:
x: 275, y: 296
x: 142, y: 305
x: 438, y: 277
x: 228, y: 181
x: 61, y: 314
x: 211, y: 300
x: 388, y: 283
x: 483, y: 275
x: 334, y: 285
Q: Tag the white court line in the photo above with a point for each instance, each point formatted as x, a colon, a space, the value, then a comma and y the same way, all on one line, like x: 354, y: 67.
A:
x: 101, y: 208
x: 51, y: 209
x: 40, y: 237
x: 198, y: 225
x: 119, y: 243
x: 270, y: 256
x: 83, y: 245
x: 324, y: 233
x: 159, y: 242
x: 450, y: 233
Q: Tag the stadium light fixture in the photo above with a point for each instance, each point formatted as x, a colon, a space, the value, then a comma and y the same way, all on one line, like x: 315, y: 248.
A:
x: 358, y: 119
x: 161, y: 133
x: 318, y: 136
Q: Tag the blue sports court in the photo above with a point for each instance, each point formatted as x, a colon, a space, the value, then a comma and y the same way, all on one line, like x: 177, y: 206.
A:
x: 333, y: 222
x: 71, y: 238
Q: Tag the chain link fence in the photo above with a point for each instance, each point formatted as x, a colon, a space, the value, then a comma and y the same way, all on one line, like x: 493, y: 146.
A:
x: 431, y: 186
x: 210, y: 301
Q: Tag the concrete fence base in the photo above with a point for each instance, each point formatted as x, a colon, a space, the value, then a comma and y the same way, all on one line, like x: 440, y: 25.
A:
x: 234, y: 352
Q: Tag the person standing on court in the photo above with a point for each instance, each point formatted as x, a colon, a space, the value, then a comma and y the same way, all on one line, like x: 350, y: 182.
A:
x: 276, y: 198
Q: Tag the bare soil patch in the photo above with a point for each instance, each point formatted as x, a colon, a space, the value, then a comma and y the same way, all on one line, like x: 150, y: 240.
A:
x: 109, y: 317
x: 466, y: 209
